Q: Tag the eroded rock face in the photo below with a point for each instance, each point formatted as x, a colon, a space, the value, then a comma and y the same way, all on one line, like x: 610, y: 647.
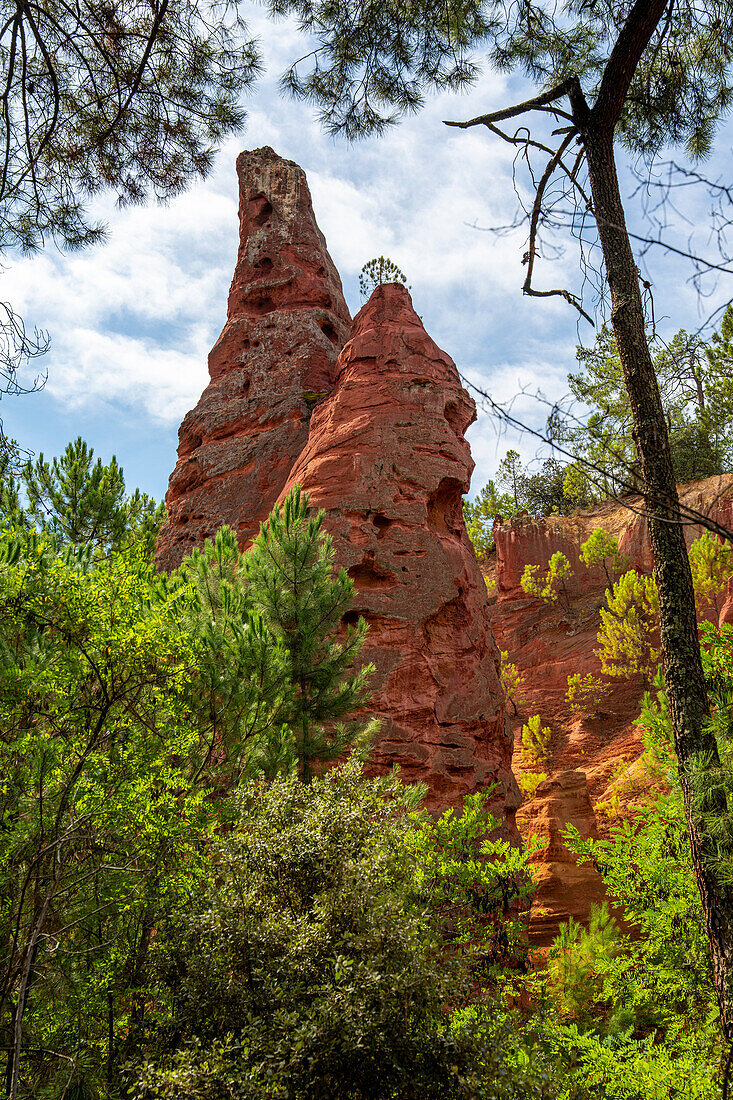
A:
x: 286, y: 323
x: 387, y: 460
x: 527, y: 540
x: 565, y: 888
x: 550, y: 642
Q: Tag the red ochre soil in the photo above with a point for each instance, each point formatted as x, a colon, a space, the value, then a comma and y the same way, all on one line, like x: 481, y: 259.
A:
x: 590, y: 759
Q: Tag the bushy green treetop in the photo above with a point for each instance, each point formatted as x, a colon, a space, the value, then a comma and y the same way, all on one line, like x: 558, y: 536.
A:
x: 291, y: 585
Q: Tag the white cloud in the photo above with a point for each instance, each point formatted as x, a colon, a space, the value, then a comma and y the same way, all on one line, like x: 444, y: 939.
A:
x: 132, y: 320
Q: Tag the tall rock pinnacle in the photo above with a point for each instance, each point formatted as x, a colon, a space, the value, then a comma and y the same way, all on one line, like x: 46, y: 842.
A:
x: 387, y: 460
x: 286, y: 322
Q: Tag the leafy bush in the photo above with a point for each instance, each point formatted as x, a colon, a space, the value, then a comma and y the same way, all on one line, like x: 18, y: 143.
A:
x: 535, y: 740
x: 602, y: 549
x: 553, y: 584
x: 629, y: 627
x: 512, y: 681
x: 310, y: 968
x: 585, y: 694
x: 529, y: 782
x: 711, y: 562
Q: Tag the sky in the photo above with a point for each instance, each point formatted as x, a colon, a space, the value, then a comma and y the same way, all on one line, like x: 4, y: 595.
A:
x: 131, y: 320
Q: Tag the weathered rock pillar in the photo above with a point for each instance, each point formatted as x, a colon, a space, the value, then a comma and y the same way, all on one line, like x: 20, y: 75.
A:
x: 387, y: 460
x: 286, y: 323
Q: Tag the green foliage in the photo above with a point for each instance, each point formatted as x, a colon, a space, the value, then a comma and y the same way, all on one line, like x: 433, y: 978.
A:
x: 127, y: 96
x: 512, y: 681
x: 308, y: 968
x: 528, y: 783
x: 697, y: 396
x: 539, y: 494
x: 375, y: 63
x: 240, y: 695
x: 651, y: 1027
x: 290, y: 585
x: 81, y: 504
x: 101, y: 826
x: 585, y: 694
x: 378, y: 271
x: 711, y: 562
x: 552, y: 586
x: 128, y: 700
x: 602, y: 549
x: 535, y: 741
x: 711, y: 784
x: 577, y: 486
x: 577, y: 961
x: 629, y: 627
x: 479, y: 516
x: 472, y: 878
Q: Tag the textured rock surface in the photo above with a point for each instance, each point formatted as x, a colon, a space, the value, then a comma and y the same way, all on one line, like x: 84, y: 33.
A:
x: 529, y: 541
x: 286, y: 322
x: 549, y: 643
x: 387, y: 460
x: 564, y: 887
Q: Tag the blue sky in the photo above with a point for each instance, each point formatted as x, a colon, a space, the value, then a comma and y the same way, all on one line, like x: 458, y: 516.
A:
x: 132, y: 320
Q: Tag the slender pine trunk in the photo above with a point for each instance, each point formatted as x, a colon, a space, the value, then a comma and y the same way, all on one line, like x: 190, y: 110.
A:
x: 682, y: 664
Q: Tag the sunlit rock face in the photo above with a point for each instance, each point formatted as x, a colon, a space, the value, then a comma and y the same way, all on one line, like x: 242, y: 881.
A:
x: 387, y: 459
x: 286, y: 323
x: 595, y: 767
x: 376, y: 435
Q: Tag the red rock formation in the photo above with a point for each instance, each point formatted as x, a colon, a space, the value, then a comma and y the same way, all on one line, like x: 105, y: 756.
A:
x: 387, y: 460
x: 286, y: 322
x: 565, y: 888
x: 548, y: 643
x: 529, y: 541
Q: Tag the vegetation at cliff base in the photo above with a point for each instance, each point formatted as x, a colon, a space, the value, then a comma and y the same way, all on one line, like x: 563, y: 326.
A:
x: 191, y: 904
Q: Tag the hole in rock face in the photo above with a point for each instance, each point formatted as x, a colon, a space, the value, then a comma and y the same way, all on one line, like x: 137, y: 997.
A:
x: 382, y: 523
x: 368, y: 574
x: 264, y: 266
x: 329, y: 332
x: 445, y: 507
x: 350, y: 618
x: 260, y: 209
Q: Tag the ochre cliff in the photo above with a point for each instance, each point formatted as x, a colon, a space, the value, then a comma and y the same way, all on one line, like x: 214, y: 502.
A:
x: 593, y: 763
x: 377, y: 438
x: 286, y: 322
x: 387, y: 460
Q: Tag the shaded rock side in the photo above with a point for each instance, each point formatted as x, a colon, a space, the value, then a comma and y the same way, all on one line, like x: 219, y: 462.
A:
x: 565, y: 887
x: 286, y: 323
x: 387, y: 460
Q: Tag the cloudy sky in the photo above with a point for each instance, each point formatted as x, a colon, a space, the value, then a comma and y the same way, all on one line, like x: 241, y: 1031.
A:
x: 131, y: 321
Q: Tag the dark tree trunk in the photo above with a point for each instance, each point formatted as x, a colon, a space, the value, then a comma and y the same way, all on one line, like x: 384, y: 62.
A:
x: 682, y: 665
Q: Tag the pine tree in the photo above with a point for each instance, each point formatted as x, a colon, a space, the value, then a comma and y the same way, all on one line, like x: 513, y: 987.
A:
x: 240, y: 692
x: 84, y: 504
x: 290, y: 583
